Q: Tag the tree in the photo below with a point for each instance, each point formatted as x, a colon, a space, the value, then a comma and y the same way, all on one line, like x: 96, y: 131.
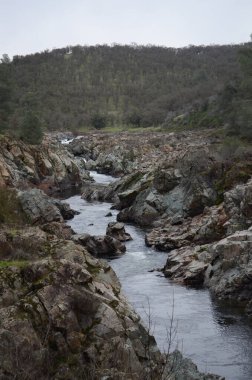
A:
x: 99, y: 121
x: 243, y: 102
x: 31, y: 131
x: 5, y: 59
x: 5, y: 93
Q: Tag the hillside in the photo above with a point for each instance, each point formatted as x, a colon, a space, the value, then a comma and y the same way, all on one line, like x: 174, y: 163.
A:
x: 96, y: 86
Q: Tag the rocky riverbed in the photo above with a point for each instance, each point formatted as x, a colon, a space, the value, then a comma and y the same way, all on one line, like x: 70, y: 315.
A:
x: 191, y: 193
x: 63, y: 315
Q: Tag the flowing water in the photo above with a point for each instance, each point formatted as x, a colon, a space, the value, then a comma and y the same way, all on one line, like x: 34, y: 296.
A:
x: 214, y: 337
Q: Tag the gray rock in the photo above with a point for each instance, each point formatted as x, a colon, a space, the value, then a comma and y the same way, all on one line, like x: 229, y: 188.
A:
x: 101, y: 246
x: 188, y: 265
x: 40, y: 208
x: 230, y: 272
x: 238, y: 206
x: 117, y: 231
x: 165, y: 180
x: 202, y: 229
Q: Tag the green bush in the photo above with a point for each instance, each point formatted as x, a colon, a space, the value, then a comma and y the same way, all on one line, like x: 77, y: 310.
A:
x: 31, y: 131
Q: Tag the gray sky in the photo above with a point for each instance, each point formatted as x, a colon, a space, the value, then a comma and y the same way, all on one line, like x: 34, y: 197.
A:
x: 28, y: 26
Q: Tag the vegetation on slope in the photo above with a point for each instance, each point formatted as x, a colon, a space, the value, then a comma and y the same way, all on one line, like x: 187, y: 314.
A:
x: 99, y: 86
x: 231, y: 107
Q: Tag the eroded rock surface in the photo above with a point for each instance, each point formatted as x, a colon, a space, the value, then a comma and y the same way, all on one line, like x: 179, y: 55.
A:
x: 50, y: 166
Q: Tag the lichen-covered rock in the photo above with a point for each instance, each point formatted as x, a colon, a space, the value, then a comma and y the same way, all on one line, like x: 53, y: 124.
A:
x: 22, y: 243
x: 166, y: 180
x: 95, y: 192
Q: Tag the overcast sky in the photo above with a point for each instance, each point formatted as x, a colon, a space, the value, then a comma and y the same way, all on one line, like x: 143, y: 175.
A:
x: 28, y: 26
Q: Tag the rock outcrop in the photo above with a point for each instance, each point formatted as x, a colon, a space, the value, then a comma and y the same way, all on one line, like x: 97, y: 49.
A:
x: 40, y: 208
x: 229, y: 274
x: 224, y: 267
x: 178, y: 232
x: 63, y: 316
x: 50, y: 166
x: 238, y: 206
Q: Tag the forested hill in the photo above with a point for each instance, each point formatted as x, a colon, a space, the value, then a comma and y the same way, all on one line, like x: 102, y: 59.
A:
x: 103, y: 85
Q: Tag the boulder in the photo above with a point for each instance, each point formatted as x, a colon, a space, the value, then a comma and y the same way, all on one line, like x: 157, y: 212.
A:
x: 145, y: 210
x: 230, y: 271
x: 94, y: 191
x: 23, y: 243
x: 65, y: 210
x: 131, y: 186
x: 40, y: 208
x: 224, y: 267
x: 101, y: 246
x: 117, y: 231
x: 188, y: 265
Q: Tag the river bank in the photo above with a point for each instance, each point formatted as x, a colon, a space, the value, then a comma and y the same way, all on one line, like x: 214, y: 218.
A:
x: 215, y: 337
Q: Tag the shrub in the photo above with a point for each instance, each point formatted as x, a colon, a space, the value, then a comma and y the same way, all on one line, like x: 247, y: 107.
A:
x: 31, y: 131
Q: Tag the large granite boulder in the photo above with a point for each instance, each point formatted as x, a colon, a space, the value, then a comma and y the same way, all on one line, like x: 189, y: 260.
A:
x: 165, y: 180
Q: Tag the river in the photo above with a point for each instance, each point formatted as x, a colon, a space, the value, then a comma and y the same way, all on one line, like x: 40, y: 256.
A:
x: 217, y: 339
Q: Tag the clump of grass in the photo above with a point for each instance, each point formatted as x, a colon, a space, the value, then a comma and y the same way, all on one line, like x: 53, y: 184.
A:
x: 14, y: 263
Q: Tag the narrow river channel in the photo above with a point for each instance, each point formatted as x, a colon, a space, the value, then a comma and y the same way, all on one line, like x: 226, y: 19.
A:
x: 217, y: 340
